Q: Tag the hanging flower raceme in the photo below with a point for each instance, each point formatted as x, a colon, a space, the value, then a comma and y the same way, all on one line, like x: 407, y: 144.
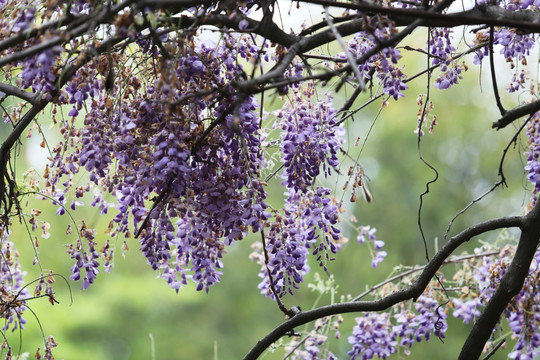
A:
x: 311, y: 141
x: 382, y: 64
x: 480, y: 275
x: 12, y: 290
x: 533, y: 166
x: 184, y: 169
x: 378, y: 335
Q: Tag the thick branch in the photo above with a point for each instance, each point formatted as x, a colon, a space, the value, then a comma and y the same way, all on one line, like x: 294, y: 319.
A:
x: 172, y: 6
x: 528, y: 21
x: 310, y: 42
x: 516, y: 113
x: 43, y: 45
x: 11, y: 90
x: 510, y: 285
x: 265, y: 28
x: 411, y: 292
x: 10, y: 141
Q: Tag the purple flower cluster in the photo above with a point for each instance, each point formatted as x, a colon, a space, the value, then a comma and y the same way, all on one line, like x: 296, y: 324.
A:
x: 525, y: 328
x: 26, y: 15
x: 383, y: 63
x: 522, y: 314
x: 382, y: 334
x: 514, y: 47
x: 12, y: 290
x: 310, y: 140
x: 313, y: 346
x: 440, y: 47
x: 516, y: 5
x: 308, y: 222
x: 287, y: 254
x: 466, y: 310
x: 373, y: 336
x: 81, y: 6
x: 294, y: 70
x: 82, y: 87
x: 431, y: 319
x: 533, y: 155
x: 37, y: 71
x: 202, y: 183
x: 148, y: 45
x: 85, y: 259
x: 310, y: 143
x: 366, y: 234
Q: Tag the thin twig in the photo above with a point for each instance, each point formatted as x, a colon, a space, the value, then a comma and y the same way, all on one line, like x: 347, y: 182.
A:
x: 493, y: 76
x: 350, y: 57
x: 490, y: 354
x: 158, y: 199
x: 502, y: 180
x: 421, y: 157
x: 282, y: 307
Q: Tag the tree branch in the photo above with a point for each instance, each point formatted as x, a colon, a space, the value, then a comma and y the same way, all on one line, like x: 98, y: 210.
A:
x: 5, y: 149
x: 528, y: 21
x: 492, y: 71
x: 510, y: 285
x: 173, y: 6
x: 11, y: 90
x: 516, y: 113
x: 412, y: 292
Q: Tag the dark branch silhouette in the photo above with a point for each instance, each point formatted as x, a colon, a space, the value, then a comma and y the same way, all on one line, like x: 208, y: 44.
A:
x: 411, y: 292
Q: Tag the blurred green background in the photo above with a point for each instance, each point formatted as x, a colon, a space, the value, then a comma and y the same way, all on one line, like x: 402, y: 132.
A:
x: 129, y: 314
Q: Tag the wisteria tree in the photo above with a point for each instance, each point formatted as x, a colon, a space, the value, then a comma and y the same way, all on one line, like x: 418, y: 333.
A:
x: 160, y: 107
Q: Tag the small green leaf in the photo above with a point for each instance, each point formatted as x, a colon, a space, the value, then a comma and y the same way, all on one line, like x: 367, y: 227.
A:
x: 152, y: 19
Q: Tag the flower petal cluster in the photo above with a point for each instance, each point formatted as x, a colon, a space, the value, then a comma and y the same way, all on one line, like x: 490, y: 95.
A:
x: 12, y: 289
x: 533, y: 155
x: 521, y: 314
x: 310, y: 142
x: 313, y: 347
x: 188, y: 187
x: 86, y: 259
x: 383, y: 64
x: 440, y: 48
x: 38, y: 72
x: 373, y: 336
x: 513, y: 46
x: 24, y: 16
x: 308, y: 225
x: 366, y: 234
x: 379, y: 335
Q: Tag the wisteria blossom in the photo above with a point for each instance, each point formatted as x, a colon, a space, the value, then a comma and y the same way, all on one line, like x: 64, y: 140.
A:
x: 190, y: 126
